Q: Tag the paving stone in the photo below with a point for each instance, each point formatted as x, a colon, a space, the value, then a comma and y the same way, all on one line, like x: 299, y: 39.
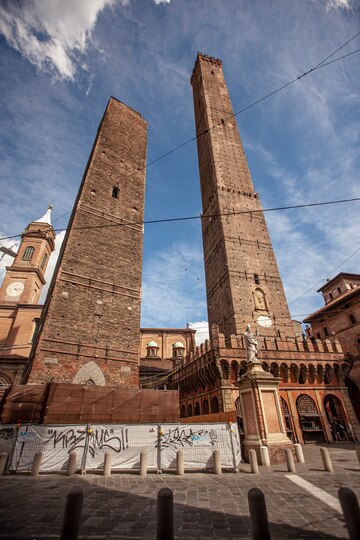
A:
x: 206, y: 506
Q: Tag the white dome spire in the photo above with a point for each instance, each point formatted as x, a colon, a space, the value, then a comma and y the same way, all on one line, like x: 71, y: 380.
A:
x: 46, y: 218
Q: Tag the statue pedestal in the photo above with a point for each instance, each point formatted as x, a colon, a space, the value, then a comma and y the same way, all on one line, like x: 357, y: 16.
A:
x: 262, y: 416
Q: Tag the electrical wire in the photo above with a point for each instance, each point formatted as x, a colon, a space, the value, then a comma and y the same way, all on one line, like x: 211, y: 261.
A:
x: 318, y: 283
x: 270, y: 94
x: 202, y: 216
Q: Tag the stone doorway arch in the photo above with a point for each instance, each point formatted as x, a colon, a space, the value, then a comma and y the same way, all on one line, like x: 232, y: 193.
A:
x: 310, y: 419
x: 336, y: 418
x: 90, y: 374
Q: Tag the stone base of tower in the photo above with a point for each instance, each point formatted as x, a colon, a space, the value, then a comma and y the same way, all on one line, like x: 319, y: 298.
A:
x: 276, y: 450
x: 262, y: 417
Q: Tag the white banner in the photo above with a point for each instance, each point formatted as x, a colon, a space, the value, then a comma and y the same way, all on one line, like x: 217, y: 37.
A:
x: 198, y: 441
x: 7, y: 438
x: 125, y: 443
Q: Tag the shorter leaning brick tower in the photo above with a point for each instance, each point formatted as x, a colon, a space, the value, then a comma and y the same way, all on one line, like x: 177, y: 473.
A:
x: 89, y: 332
x: 244, y: 286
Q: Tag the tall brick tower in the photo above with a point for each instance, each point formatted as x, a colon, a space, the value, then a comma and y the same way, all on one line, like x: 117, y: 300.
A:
x: 89, y: 333
x: 242, y: 278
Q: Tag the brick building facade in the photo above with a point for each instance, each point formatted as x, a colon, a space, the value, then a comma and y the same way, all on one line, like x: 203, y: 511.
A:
x: 161, y: 351
x: 244, y: 286
x: 19, y: 295
x: 339, y: 319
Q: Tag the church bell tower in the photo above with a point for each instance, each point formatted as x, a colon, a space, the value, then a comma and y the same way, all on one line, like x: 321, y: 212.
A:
x: 243, y: 283
x: 25, y: 278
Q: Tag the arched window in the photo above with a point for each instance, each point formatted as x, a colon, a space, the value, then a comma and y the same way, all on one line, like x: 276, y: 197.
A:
x: 352, y: 318
x: 214, y: 405
x: 339, y: 290
x: 197, y: 409
x: 182, y: 411
x: 43, y: 262
x: 115, y: 192
x: 35, y: 329
x: 189, y: 410
x: 331, y: 296
x: 28, y: 253
x: 310, y: 420
x: 205, y: 406
x: 326, y: 331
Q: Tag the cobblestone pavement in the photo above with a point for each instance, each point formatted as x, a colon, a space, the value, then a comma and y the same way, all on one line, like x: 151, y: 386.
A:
x: 206, y: 505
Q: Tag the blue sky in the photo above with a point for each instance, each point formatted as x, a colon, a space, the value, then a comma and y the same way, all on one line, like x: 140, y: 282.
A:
x: 60, y: 60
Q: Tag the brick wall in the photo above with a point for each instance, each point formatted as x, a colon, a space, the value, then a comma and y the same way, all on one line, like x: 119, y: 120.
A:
x: 242, y: 277
x: 92, y: 314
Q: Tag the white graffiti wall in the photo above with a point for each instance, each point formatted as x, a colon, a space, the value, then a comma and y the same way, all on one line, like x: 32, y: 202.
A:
x: 124, y: 443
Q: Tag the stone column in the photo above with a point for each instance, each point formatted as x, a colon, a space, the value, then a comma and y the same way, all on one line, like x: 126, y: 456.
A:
x: 262, y: 417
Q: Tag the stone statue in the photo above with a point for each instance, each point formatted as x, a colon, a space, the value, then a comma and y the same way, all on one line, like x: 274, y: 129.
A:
x: 260, y: 302
x: 252, y: 345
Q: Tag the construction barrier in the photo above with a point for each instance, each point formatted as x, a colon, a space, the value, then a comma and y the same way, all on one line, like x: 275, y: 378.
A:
x: 124, y: 443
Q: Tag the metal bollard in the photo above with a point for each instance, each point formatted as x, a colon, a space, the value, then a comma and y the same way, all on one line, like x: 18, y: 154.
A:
x: 71, y: 465
x: 258, y: 514
x: 351, y: 511
x: 325, y: 456
x: 180, y: 463
x: 358, y: 453
x: 72, y: 515
x: 290, y: 460
x: 265, y: 458
x: 107, y: 464
x: 143, y: 463
x: 35, y: 469
x: 165, y: 515
x: 299, y: 453
x: 253, y: 461
x: 217, y: 462
x: 3, y: 460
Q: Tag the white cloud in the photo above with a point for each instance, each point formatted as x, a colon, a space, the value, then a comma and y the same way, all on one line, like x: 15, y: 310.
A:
x: 202, y: 331
x: 339, y: 4
x: 50, y: 34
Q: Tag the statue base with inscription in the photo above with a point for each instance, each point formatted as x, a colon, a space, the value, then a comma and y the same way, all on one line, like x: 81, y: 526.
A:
x: 262, y: 416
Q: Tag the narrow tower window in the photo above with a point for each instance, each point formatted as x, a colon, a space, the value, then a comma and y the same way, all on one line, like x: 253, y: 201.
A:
x: 43, y: 262
x: 28, y: 253
x: 115, y: 192
x: 257, y: 279
x: 352, y: 318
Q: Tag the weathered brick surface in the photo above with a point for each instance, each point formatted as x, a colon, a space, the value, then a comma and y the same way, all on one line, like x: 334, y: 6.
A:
x: 93, y: 308
x: 236, y: 247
